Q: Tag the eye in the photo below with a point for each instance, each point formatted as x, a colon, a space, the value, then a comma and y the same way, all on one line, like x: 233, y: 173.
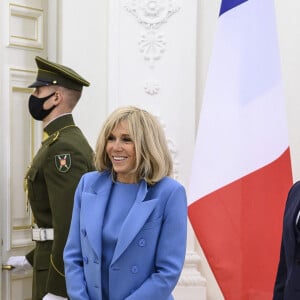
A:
x: 127, y: 139
x: 111, y: 138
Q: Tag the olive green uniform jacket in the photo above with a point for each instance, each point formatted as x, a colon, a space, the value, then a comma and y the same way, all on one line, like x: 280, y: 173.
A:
x: 51, y: 180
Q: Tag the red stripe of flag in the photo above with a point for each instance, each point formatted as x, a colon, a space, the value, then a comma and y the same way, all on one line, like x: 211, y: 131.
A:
x: 243, y: 243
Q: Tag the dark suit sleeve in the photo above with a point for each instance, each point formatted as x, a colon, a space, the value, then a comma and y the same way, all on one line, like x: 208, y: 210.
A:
x: 281, y: 276
x: 288, y: 243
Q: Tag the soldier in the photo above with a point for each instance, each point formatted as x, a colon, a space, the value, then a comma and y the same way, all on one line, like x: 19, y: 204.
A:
x: 52, y: 178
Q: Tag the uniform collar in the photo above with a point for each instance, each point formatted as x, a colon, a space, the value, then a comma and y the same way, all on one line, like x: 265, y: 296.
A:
x: 59, y: 123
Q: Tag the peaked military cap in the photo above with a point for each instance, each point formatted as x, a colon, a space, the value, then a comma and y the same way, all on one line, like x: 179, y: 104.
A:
x: 50, y: 73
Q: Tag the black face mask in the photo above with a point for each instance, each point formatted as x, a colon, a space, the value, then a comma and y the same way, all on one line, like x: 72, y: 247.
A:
x: 36, y: 109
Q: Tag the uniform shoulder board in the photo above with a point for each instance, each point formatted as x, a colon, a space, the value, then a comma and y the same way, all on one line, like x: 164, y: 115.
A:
x: 53, y: 137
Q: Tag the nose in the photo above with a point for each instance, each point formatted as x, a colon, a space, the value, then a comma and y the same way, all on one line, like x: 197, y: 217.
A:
x: 117, y: 145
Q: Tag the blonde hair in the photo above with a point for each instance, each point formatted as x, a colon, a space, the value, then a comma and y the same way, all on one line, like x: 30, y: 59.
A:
x: 153, y: 158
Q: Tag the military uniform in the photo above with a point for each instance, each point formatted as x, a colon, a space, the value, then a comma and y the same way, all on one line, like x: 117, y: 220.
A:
x: 51, y: 180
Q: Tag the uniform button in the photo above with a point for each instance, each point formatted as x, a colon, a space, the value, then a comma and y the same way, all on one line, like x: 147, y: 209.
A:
x: 142, y: 242
x: 83, y: 231
x: 85, y: 260
x: 96, y: 260
x: 134, y: 269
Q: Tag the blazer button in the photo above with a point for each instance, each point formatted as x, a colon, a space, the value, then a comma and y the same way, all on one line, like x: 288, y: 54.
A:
x: 134, y: 269
x: 85, y: 260
x: 83, y: 231
x: 142, y: 242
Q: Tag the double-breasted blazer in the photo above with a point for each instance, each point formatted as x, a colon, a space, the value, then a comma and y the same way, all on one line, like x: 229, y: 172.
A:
x: 287, y: 284
x: 150, y: 250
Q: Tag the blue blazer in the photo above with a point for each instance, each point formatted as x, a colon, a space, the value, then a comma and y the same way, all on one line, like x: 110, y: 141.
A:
x: 150, y: 250
x: 287, y: 284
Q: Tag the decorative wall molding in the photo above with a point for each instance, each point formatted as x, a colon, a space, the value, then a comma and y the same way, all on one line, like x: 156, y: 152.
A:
x: 152, y: 14
x: 21, y: 78
x: 152, y: 45
x: 173, y: 151
x: 151, y: 87
x: 26, y: 27
x: 190, y: 274
x: 172, y: 148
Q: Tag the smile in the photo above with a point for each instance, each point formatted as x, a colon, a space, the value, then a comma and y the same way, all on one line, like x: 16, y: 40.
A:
x: 119, y: 158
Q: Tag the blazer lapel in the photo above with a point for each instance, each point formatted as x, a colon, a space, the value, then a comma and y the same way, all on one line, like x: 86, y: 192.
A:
x: 135, y: 220
x: 94, y: 210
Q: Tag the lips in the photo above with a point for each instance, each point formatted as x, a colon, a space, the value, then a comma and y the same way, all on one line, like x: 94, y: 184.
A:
x: 119, y: 158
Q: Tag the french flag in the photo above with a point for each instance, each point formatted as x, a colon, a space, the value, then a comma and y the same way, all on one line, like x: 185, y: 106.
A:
x: 241, y: 171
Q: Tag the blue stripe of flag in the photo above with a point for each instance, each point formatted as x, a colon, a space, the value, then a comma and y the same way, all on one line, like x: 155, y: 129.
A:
x: 229, y: 4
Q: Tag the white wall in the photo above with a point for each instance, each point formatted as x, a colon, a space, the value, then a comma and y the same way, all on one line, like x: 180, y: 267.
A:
x: 82, y: 45
x: 289, y: 39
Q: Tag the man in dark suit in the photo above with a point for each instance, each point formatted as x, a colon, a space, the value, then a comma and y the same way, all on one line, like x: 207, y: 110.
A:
x: 52, y: 178
x: 287, y: 284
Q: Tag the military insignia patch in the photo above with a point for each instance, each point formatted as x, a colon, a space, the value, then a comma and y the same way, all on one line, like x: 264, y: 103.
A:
x: 63, y: 162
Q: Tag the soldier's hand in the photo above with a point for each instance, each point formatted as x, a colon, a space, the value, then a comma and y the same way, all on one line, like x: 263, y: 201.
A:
x: 50, y: 296
x: 20, y: 264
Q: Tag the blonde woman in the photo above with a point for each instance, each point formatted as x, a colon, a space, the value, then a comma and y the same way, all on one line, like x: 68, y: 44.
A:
x: 128, y: 232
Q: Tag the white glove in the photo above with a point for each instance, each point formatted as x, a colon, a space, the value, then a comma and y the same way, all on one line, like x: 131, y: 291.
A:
x: 20, y: 264
x: 50, y: 296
